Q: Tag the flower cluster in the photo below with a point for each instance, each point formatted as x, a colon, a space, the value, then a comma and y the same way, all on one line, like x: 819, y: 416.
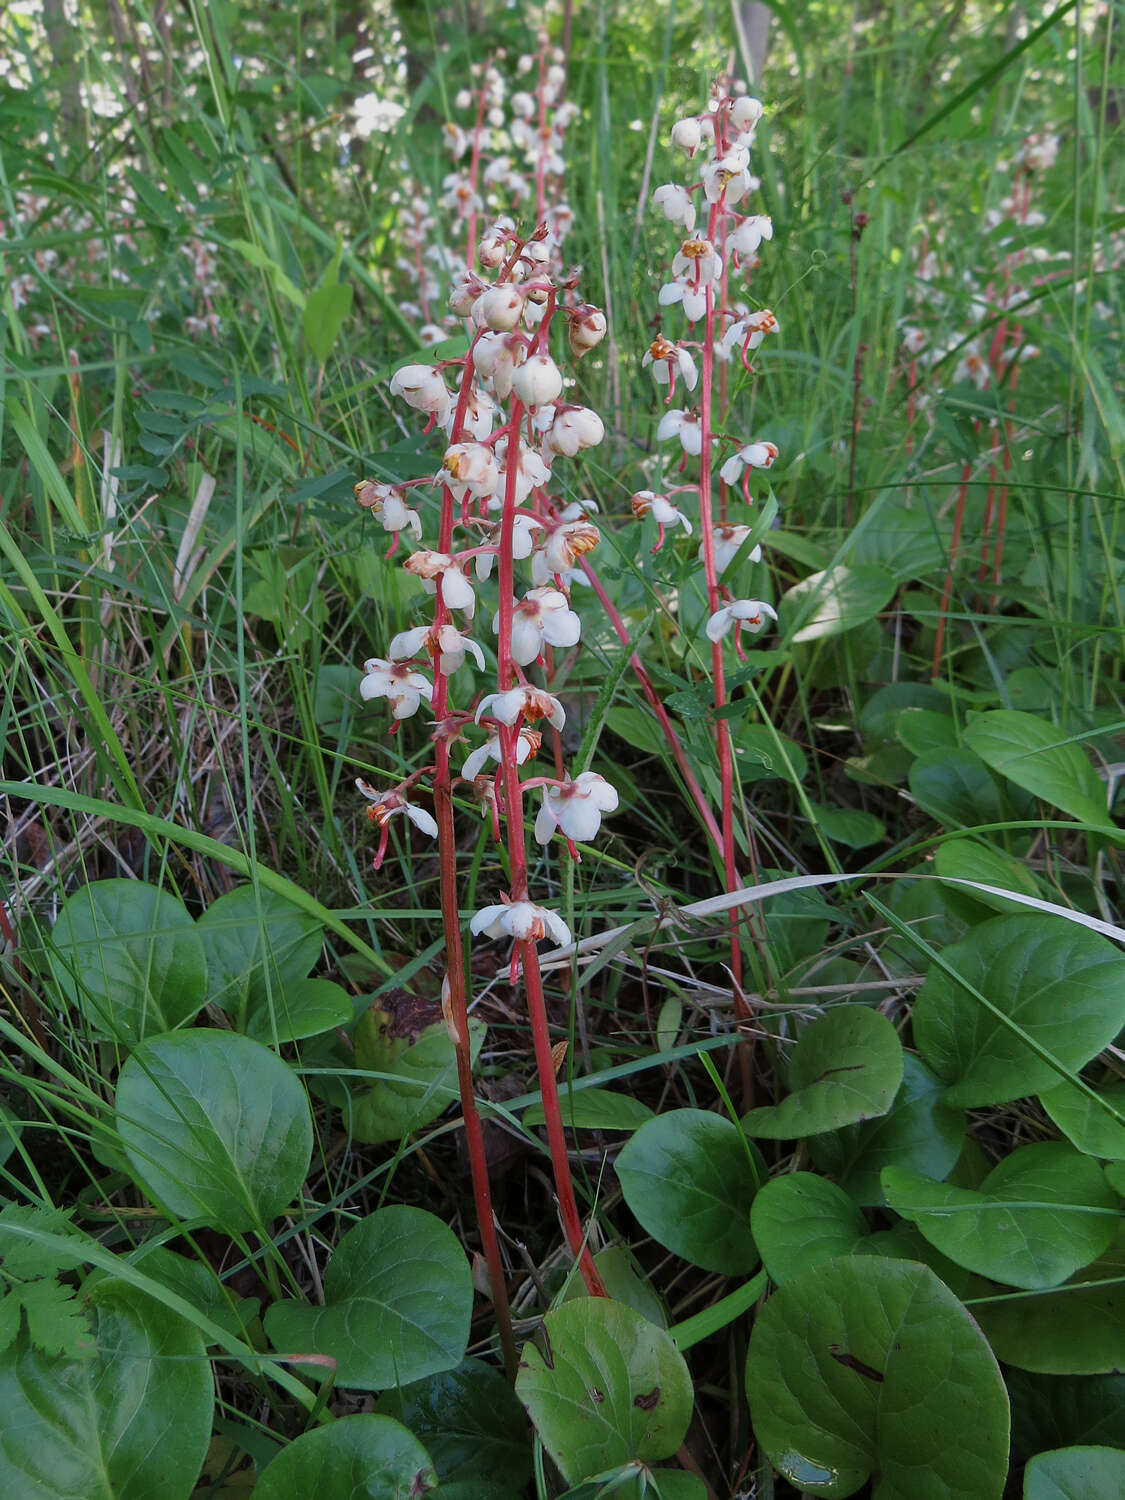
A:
x: 506, y: 421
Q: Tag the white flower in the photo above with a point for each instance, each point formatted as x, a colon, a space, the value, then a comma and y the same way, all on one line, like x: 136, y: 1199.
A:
x: 527, y: 743
x: 542, y: 617
x: 388, y: 505
x: 739, y: 615
x: 751, y: 456
x: 728, y: 543
x: 683, y: 425
x: 748, y: 332
x: 699, y: 261
x: 499, y: 308
x: 400, y: 684
x: 576, y: 808
x: 574, y: 429
x: 567, y: 543
x: 750, y: 234
x: 731, y: 176
x: 471, y: 469
x: 422, y: 387
x: 496, y: 356
x: 667, y: 360
x: 745, y: 112
x: 914, y: 340
x: 660, y: 508
x: 531, y: 472
x: 585, y: 329
x: 456, y: 590
x: 692, y: 298
x: 675, y: 204
x: 973, y: 366
x: 452, y: 646
x: 538, y: 381
x: 527, y: 702
x: 479, y: 415
x: 384, y: 805
x: 687, y: 135
x: 520, y: 920
x: 523, y: 542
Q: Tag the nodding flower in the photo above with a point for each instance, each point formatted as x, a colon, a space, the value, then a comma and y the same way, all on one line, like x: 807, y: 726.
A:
x: 669, y: 360
x: 663, y: 512
x: 575, y: 808
x: 383, y: 806
x: 759, y: 455
x: 401, y: 685
x: 456, y: 590
x: 684, y: 425
x: 523, y: 921
x: 543, y: 617
x: 525, y: 702
x: 739, y: 615
x: 675, y: 203
x: 527, y: 744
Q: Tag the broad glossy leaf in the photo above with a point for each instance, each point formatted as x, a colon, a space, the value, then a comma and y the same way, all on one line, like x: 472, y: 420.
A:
x: 130, y: 957
x: 1091, y: 1129
x: 866, y: 1367
x: 398, y: 1296
x: 904, y: 542
x: 257, y: 945
x: 1061, y: 984
x: 1057, y: 1411
x: 1039, y: 1216
x: 847, y: 1067
x: 969, y: 859
x: 918, y: 1131
x: 923, y: 730
x: 1076, y: 1474
x: 954, y: 786
x: 1043, y: 760
x: 362, y: 1457
x: 405, y: 1040
x: 1077, y: 1329
x: 623, y: 1282
x: 300, y: 1008
x: 603, y: 1387
x: 836, y: 600
x: 594, y: 1109
x: 689, y: 1180
x: 850, y: 826
x: 215, y: 1126
x: 800, y: 1221
x: 130, y: 1423
x: 325, y: 313
x: 473, y: 1428
x: 640, y: 1482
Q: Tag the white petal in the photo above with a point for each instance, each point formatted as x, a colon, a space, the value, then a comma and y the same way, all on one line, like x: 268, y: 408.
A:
x: 557, y: 928
x: 544, y: 824
x: 487, y: 918
x: 421, y: 819
x: 719, y: 624
x: 456, y: 590
x: 475, y: 761
x: 562, y: 627
x: 407, y: 643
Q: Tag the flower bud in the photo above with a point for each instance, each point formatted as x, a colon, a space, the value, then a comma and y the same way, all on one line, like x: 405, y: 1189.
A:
x: 498, y: 308
x: 585, y: 330
x: 746, y: 112
x: 686, y: 134
x: 537, y: 381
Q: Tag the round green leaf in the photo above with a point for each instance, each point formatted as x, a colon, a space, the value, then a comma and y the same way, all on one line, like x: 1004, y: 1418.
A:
x: 689, y: 1180
x: 922, y: 730
x: 1058, y: 983
x: 473, y: 1428
x: 1091, y: 1129
x: 594, y: 1109
x: 1057, y: 1411
x: 300, y: 1008
x: 639, y: 1482
x: 404, y: 1039
x: 1078, y: 1329
x: 1042, y: 1213
x: 398, y: 1296
x: 362, y: 1457
x: 847, y: 1067
x: 130, y: 957
x: 215, y: 1126
x: 801, y: 1220
x: 131, y: 1422
x: 1043, y: 760
x: 967, y: 859
x: 904, y: 542
x: 866, y: 1367
x: 1076, y: 1474
x: 604, y: 1387
x: 954, y: 786
x: 918, y: 1131
x: 850, y: 826
x: 836, y: 600
x: 258, y: 945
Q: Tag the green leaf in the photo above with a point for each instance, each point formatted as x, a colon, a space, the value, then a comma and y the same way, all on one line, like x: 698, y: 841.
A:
x: 918, y: 1131
x: 903, y: 542
x: 1091, y: 1129
x: 1041, y: 759
x: 215, y: 1126
x: 397, y: 1300
x: 800, y: 1221
x: 362, y: 1457
x: 473, y: 1428
x: 306, y: 1007
x: 129, y: 957
x: 1077, y: 1329
x: 604, y: 1387
x: 762, y: 754
x: 1061, y: 985
x: 967, y: 859
x: 24, y: 1259
x: 689, y: 1181
x: 325, y: 313
x: 868, y: 1367
x: 847, y: 1067
x: 258, y: 257
x: 258, y: 946
x: 594, y: 1109
x: 1056, y: 1411
x: 954, y: 786
x: 132, y: 1422
x: 1076, y: 1474
x: 405, y: 1040
x: 1027, y: 1226
x: 56, y: 1323
x: 638, y: 1481
x: 923, y: 730
x: 850, y: 826
x: 834, y: 601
